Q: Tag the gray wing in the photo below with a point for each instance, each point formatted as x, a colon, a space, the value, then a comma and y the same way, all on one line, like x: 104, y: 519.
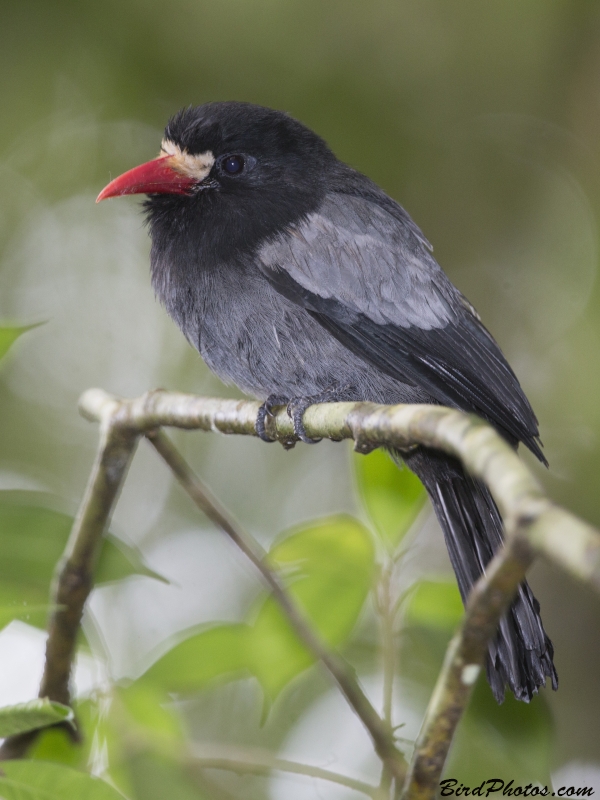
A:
x: 353, y: 251
x: 362, y: 268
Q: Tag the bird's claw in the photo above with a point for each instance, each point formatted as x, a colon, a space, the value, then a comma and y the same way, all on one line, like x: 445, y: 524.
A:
x: 295, y: 409
x: 296, y: 406
x: 267, y: 410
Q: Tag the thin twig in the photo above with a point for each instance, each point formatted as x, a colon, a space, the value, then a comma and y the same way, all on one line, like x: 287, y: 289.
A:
x: 74, y: 578
x: 489, y: 599
x: 204, y: 498
x: 380, y: 732
x: 386, y: 621
x: 209, y: 788
x: 388, y: 644
x: 255, y: 761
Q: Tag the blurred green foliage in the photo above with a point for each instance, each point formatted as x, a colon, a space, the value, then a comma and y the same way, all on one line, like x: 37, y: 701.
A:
x: 330, y: 568
x: 57, y: 745
x: 40, y: 781
x: 392, y: 494
x: 9, y: 335
x: 201, y: 657
x: 434, y: 604
x: 30, y: 716
x: 33, y: 538
x: 513, y: 741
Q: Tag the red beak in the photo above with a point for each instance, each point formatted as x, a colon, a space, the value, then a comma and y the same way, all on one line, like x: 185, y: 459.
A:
x: 154, y: 177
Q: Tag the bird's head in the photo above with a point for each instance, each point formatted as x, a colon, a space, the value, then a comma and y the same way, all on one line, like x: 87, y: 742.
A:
x: 230, y: 165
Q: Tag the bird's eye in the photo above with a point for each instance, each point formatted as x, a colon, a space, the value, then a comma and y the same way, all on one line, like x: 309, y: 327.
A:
x: 233, y: 164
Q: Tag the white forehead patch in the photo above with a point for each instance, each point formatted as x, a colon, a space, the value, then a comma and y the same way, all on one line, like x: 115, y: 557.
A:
x: 194, y: 166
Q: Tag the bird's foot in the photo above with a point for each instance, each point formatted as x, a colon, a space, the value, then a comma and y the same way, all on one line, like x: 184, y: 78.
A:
x: 298, y: 405
x: 267, y: 410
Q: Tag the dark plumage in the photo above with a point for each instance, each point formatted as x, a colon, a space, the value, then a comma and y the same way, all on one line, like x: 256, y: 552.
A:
x: 297, y: 278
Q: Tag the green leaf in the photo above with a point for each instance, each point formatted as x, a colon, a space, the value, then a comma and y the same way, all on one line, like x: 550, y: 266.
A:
x: 392, y: 494
x: 9, y: 335
x: 39, y: 780
x: 434, y: 604
x: 55, y: 744
x: 153, y: 776
x: 147, y: 710
x: 33, y: 536
x: 201, y: 657
x: 119, y: 560
x: 37, y: 713
x: 330, y: 567
x: 144, y: 742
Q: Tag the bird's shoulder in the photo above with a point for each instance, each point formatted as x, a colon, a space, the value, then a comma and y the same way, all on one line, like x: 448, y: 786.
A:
x: 362, y: 249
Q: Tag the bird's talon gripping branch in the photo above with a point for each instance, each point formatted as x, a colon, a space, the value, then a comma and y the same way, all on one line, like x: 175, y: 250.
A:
x: 295, y: 409
x: 266, y: 410
x: 261, y: 430
x: 298, y: 405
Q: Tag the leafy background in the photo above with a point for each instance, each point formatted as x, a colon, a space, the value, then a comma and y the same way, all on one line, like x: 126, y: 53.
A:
x: 483, y: 119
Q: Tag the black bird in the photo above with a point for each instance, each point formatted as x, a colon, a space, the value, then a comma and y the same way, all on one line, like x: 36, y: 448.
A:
x: 299, y: 280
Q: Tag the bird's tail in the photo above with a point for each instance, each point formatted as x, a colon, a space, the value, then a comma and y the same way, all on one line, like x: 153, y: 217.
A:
x: 521, y: 655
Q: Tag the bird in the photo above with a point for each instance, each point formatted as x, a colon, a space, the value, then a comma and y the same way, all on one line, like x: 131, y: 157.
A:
x: 301, y: 281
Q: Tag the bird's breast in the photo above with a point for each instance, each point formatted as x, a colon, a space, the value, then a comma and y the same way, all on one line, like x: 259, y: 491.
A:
x: 253, y: 337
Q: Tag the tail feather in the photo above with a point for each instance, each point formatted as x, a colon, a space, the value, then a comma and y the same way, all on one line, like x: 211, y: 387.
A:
x: 521, y: 655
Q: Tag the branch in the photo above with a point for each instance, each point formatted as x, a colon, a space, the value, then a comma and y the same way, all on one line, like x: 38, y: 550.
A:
x: 255, y: 761
x: 387, y: 617
x: 205, y: 500
x: 74, y: 579
x: 489, y: 599
x: 551, y: 532
x: 381, y: 732
x: 242, y: 760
